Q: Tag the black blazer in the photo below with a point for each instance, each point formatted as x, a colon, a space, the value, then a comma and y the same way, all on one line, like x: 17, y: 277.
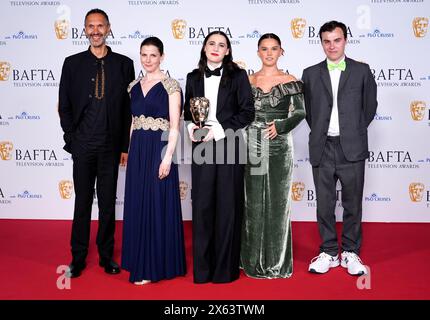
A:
x: 77, y: 88
x: 356, y: 102
x: 235, y: 106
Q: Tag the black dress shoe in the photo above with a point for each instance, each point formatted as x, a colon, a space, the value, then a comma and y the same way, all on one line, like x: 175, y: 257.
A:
x: 75, y: 270
x: 110, y: 266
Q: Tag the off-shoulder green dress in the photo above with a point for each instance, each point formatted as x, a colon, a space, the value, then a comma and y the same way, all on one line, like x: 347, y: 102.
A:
x: 266, y: 246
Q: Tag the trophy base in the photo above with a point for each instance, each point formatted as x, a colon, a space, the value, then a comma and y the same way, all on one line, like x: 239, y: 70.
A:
x: 200, y: 134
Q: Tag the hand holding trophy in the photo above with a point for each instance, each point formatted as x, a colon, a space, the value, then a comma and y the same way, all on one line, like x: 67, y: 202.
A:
x: 199, y: 107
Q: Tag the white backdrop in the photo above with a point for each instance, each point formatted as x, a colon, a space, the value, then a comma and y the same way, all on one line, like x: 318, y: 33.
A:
x: 381, y: 32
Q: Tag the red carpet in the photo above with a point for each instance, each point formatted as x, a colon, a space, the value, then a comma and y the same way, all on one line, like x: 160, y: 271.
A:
x: 398, y: 256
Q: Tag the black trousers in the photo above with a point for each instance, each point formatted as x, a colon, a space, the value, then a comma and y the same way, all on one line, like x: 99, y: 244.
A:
x: 334, y: 167
x: 217, y: 200
x: 89, y: 166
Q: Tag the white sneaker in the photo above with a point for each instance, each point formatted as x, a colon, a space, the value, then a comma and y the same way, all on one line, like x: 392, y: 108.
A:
x: 323, y: 262
x: 353, y: 262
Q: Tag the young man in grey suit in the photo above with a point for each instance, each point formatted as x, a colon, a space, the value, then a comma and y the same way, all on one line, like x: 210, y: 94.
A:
x: 340, y: 101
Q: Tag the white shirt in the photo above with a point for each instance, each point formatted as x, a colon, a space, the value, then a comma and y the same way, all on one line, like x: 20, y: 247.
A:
x: 211, y: 87
x: 333, y: 127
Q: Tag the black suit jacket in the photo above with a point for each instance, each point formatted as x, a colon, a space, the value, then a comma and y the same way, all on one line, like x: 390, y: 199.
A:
x: 356, y: 102
x: 235, y: 106
x: 77, y: 89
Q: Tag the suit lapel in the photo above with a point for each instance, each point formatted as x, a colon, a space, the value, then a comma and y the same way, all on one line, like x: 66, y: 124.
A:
x: 222, y: 95
x: 325, y: 78
x: 344, y: 75
x: 88, y: 73
x: 199, y: 86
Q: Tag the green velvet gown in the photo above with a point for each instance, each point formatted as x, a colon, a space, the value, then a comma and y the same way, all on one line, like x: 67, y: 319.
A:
x: 266, y: 247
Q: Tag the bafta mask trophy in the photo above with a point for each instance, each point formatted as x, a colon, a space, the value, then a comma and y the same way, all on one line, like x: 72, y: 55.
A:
x: 62, y: 29
x: 199, y: 107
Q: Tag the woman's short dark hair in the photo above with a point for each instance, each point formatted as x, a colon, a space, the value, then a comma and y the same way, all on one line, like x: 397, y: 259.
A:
x: 100, y: 11
x: 153, y: 41
x: 331, y: 25
x: 269, y: 36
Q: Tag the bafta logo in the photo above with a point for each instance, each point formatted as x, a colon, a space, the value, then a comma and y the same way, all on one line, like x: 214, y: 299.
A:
x: 178, y: 28
x: 420, y: 25
x: 416, y: 191
x: 297, y: 191
x: 418, y: 109
x: 183, y: 189
x: 66, y: 189
x: 4, y: 70
x: 241, y: 64
x: 298, y: 27
x: 6, y: 148
x: 62, y: 29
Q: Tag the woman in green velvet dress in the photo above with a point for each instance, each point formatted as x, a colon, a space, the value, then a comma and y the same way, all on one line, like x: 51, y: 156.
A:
x: 266, y: 248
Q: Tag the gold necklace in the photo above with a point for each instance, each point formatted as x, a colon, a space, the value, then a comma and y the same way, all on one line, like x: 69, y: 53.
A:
x: 96, y: 93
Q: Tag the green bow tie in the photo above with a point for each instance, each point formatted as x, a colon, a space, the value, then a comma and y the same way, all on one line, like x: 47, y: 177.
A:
x: 341, y: 66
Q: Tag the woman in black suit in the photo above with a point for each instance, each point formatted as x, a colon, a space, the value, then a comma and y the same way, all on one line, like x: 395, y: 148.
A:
x: 218, y: 160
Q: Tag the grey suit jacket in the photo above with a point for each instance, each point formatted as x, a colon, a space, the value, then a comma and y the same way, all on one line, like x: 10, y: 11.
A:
x: 356, y: 102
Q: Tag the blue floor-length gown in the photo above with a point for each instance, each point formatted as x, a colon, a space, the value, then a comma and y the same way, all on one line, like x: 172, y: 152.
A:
x: 153, y: 241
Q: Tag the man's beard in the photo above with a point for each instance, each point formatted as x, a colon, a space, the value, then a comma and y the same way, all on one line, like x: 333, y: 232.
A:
x: 97, y: 43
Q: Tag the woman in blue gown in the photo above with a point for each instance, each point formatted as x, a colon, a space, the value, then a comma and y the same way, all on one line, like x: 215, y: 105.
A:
x: 153, y: 241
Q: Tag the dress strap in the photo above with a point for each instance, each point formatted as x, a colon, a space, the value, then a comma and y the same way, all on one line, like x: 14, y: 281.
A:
x: 171, y: 85
x: 133, y: 83
x: 291, y: 88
